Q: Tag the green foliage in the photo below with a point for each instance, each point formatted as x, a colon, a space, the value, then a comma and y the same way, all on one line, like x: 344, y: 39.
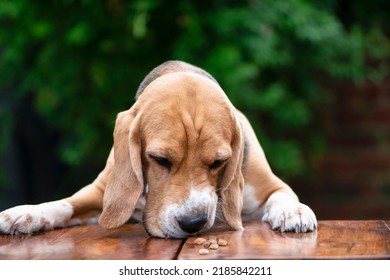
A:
x: 82, y: 61
x: 272, y: 57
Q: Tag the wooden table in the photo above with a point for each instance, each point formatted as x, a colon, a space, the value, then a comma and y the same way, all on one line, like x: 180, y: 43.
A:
x: 332, y: 240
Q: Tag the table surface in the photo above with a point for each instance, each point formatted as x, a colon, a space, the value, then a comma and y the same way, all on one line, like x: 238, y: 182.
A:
x: 333, y: 240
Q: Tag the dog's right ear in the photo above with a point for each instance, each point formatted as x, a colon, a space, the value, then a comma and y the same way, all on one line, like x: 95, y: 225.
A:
x: 126, y: 183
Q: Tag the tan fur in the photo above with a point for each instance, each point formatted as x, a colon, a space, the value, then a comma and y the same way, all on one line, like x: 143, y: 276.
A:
x: 125, y: 185
x: 183, y: 115
x: 173, y: 126
x: 164, y: 117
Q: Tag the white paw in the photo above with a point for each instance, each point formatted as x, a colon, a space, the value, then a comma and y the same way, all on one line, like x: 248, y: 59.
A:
x: 286, y: 214
x: 33, y: 218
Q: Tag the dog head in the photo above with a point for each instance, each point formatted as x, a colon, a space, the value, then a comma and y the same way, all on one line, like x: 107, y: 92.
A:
x: 183, y: 141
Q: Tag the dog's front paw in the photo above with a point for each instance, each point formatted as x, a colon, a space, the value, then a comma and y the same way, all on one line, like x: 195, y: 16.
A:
x: 286, y: 214
x: 33, y: 218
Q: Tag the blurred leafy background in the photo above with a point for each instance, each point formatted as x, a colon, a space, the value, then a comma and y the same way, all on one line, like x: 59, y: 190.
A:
x: 68, y: 67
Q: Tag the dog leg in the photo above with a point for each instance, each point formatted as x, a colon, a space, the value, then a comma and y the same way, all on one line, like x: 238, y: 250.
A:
x: 32, y: 218
x: 81, y: 208
x: 266, y: 196
x: 287, y: 214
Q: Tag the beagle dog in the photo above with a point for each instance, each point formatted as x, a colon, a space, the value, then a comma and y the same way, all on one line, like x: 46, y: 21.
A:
x: 182, y: 157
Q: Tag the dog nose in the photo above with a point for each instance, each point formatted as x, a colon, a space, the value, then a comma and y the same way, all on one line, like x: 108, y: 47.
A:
x: 192, y: 224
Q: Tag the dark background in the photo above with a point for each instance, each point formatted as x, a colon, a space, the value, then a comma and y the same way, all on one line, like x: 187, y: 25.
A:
x: 312, y: 76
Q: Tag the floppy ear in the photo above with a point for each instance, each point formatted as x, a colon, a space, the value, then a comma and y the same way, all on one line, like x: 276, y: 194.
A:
x: 126, y: 183
x: 232, y: 184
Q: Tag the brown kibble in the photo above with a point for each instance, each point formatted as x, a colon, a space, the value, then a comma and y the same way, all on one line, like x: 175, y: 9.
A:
x: 213, y: 241
x: 203, y: 251
x: 222, y: 242
x: 199, y: 241
x: 211, y: 244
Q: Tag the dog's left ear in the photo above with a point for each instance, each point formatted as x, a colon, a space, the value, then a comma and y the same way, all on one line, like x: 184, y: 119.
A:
x: 232, y: 183
x: 125, y: 185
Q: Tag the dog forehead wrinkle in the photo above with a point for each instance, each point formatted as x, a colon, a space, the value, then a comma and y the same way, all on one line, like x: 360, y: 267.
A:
x: 172, y: 92
x: 160, y: 151
x: 196, y: 109
x: 165, y: 138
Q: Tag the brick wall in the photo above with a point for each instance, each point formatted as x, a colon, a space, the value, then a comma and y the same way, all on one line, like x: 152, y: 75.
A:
x: 352, y: 180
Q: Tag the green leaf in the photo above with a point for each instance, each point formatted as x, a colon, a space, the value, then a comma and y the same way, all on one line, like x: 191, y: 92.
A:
x: 41, y: 29
x: 79, y: 34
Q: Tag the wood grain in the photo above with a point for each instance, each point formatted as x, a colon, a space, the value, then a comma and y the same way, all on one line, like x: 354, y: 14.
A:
x: 332, y: 240
x: 89, y: 242
x: 387, y: 222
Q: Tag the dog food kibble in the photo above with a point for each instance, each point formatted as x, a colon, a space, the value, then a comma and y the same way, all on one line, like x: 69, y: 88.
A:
x: 199, y: 241
x: 212, y: 243
x: 203, y: 251
x: 222, y: 242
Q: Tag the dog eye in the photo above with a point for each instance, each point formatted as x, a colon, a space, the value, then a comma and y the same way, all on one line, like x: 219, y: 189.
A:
x: 162, y: 161
x: 217, y: 163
